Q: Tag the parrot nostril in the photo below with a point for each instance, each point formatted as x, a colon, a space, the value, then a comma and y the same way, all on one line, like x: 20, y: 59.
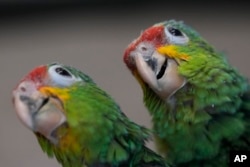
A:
x: 23, y: 89
x: 143, y: 48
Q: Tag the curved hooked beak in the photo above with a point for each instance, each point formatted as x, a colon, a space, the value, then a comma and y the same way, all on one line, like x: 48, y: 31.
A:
x: 39, y: 112
x: 159, y: 71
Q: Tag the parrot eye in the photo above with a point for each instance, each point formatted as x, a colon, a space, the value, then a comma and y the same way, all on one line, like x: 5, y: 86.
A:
x: 175, y: 36
x: 175, y: 32
x: 59, y: 76
x: 62, y: 72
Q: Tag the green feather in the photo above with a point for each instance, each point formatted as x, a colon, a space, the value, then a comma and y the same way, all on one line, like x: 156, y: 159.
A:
x: 209, y: 116
x: 103, y: 134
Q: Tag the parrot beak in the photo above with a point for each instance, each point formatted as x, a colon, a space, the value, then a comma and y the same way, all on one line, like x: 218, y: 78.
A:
x: 40, y: 113
x: 158, y: 71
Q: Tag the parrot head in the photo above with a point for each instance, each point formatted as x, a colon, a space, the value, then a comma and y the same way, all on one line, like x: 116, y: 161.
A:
x: 38, y: 101
x: 160, y: 54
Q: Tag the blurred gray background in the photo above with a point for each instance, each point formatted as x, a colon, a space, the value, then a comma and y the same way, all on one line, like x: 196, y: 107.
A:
x: 93, y: 37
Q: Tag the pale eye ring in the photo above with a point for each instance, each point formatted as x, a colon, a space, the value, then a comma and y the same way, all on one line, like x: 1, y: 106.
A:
x: 60, y: 76
x: 176, y: 36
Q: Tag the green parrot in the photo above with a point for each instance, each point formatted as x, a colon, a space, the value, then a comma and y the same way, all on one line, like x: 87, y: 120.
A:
x: 78, y: 123
x: 199, y: 103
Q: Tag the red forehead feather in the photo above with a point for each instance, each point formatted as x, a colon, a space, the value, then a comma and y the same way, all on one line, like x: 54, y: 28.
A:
x: 37, y: 74
x: 153, y: 34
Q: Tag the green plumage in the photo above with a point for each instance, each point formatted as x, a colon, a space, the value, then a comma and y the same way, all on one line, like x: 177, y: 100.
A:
x: 204, y: 125
x: 209, y: 116
x: 106, y: 137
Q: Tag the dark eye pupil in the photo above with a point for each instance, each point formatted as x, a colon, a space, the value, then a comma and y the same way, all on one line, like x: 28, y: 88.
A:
x: 63, y: 72
x: 174, y: 31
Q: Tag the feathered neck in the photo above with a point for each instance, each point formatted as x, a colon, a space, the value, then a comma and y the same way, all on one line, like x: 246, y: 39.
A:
x: 63, y: 156
x: 214, y: 87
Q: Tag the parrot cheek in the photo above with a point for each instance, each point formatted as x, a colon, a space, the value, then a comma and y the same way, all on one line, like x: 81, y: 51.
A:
x: 170, y: 81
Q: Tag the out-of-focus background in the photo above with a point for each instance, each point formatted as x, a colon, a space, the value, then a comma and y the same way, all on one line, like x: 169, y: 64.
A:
x: 92, y: 36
